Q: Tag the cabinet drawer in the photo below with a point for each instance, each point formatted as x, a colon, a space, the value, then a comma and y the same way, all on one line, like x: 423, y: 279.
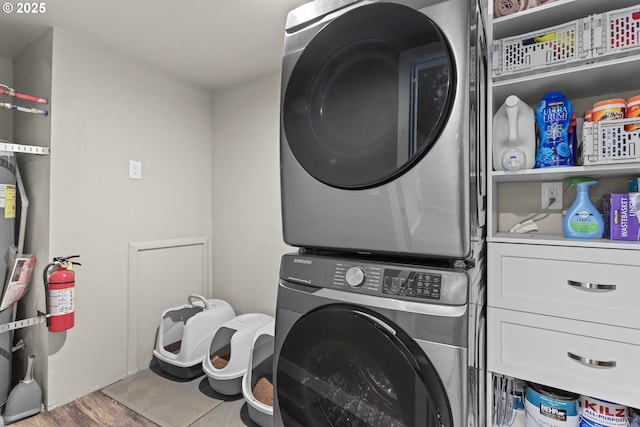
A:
x: 536, y: 348
x: 595, y: 285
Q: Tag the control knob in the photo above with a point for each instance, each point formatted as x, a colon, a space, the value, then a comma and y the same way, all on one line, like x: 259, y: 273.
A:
x: 355, y: 276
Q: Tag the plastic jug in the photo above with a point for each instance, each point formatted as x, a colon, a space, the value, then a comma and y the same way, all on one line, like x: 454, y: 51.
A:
x: 514, y: 136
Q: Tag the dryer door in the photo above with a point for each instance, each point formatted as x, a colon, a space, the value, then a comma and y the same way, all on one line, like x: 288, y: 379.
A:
x: 342, y: 365
x: 366, y: 100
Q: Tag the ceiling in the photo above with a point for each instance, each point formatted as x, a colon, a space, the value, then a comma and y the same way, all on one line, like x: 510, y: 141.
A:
x: 211, y: 43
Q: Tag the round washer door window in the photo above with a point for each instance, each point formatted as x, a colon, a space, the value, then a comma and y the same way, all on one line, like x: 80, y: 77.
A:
x: 366, y: 99
x: 344, y: 366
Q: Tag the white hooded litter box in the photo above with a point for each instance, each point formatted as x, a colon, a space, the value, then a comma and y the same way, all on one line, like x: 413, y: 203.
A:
x: 257, y: 383
x: 186, y: 331
x: 229, y: 352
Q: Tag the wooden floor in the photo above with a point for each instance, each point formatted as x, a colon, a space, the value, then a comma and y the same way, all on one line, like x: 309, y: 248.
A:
x: 93, y: 410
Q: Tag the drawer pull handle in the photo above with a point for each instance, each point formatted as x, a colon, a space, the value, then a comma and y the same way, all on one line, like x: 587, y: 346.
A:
x: 593, y: 362
x: 592, y: 286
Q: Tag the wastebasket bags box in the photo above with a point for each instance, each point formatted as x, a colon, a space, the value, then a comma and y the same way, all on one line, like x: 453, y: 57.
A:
x: 621, y: 214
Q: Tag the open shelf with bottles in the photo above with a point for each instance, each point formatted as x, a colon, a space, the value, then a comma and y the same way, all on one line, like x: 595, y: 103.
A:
x: 583, y: 84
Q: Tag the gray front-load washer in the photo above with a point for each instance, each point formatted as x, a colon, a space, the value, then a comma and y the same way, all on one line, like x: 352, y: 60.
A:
x: 383, y: 127
x: 365, y: 343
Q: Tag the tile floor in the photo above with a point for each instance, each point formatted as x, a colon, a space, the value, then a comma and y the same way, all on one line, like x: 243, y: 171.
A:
x: 178, y: 403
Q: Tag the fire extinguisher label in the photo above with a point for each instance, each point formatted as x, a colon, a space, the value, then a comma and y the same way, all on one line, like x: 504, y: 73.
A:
x: 61, y: 301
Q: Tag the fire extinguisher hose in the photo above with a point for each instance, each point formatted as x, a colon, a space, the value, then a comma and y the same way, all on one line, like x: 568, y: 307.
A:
x: 45, y: 280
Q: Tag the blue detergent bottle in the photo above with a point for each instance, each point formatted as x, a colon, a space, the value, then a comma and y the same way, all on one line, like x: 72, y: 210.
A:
x: 582, y: 220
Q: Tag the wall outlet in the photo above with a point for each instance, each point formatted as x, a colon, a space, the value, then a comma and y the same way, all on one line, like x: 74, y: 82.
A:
x: 135, y: 169
x: 550, y: 191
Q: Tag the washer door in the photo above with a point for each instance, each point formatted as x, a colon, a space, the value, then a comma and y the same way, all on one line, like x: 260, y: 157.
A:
x: 366, y: 100
x: 342, y: 365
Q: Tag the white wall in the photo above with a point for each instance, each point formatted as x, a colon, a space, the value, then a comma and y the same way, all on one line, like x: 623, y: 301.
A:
x: 105, y: 111
x: 247, y: 229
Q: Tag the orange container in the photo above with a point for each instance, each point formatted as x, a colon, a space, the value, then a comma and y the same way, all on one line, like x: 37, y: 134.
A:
x: 610, y: 109
x: 588, y: 116
x: 633, y: 110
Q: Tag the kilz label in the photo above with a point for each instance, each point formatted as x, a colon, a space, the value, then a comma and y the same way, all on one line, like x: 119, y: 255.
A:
x: 607, y: 410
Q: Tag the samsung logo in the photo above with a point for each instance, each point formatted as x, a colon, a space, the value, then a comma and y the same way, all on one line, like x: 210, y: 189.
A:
x: 301, y: 261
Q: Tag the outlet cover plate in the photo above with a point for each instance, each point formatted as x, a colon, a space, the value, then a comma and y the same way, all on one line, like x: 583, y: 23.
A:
x: 135, y: 169
x: 551, y: 189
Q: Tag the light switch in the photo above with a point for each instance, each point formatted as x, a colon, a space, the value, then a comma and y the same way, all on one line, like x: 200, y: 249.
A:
x: 135, y: 169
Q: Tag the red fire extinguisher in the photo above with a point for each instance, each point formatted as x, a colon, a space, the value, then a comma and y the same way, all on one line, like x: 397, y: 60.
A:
x: 60, y: 293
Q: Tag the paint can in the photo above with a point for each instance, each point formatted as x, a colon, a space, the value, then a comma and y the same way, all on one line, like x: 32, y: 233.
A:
x: 633, y: 111
x: 610, y: 109
x: 600, y: 413
x: 549, y: 407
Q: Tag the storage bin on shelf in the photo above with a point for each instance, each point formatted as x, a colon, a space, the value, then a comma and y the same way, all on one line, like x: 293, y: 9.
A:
x: 607, y: 142
x: 227, y: 358
x: 553, y: 46
x: 186, y: 331
x: 257, y: 383
x: 616, y: 31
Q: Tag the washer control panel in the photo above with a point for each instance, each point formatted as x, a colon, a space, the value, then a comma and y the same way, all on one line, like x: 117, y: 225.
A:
x: 389, y: 281
x: 412, y: 283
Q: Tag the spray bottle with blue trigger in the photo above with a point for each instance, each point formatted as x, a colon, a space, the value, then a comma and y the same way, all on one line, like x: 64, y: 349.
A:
x: 582, y: 220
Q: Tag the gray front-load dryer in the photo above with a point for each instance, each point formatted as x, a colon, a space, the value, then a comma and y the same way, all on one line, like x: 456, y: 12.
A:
x: 366, y: 343
x: 382, y: 127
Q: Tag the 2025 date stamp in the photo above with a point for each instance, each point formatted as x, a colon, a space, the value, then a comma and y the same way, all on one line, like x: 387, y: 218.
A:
x: 24, y: 8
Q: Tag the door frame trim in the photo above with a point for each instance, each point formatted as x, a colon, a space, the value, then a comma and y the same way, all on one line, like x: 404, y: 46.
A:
x: 135, y: 249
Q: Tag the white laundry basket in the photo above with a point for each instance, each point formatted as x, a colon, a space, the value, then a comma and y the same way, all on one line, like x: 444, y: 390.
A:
x: 257, y: 383
x: 229, y: 352
x: 185, y: 332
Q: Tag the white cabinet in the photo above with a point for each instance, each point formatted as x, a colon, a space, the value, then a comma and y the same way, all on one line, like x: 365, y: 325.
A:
x: 566, y: 317
x: 589, y: 284
x: 562, y: 312
x: 582, y: 357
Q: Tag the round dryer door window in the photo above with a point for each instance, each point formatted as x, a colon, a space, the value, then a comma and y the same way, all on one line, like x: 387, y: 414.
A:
x: 368, y: 96
x: 344, y: 366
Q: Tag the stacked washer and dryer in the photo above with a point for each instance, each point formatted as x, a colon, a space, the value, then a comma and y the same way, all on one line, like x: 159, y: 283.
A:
x: 380, y: 314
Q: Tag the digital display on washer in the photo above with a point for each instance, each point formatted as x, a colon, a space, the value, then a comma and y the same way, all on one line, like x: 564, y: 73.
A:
x: 412, y: 283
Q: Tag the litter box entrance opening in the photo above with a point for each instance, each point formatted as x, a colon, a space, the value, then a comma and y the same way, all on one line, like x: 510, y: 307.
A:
x: 220, y: 350
x: 262, y: 381
x: 262, y: 369
x: 173, y: 324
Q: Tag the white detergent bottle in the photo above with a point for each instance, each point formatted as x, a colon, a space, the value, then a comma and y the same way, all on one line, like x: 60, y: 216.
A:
x: 514, y: 136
